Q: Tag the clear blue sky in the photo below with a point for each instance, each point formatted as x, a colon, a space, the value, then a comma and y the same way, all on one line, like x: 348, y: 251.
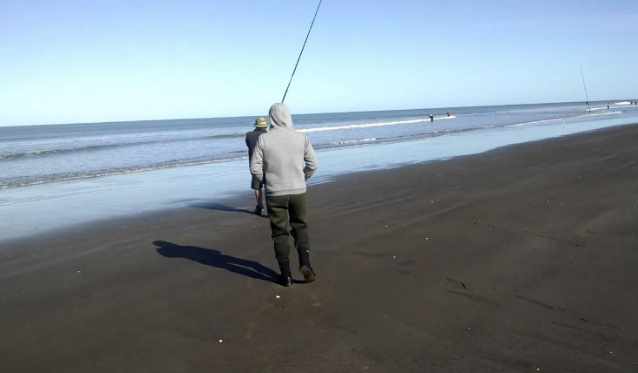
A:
x: 79, y: 61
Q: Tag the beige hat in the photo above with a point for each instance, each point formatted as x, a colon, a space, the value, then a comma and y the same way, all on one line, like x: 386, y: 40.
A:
x: 261, y: 122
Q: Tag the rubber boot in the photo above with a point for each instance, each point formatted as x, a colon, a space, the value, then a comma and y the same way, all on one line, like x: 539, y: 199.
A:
x: 308, y: 273
x: 286, y: 275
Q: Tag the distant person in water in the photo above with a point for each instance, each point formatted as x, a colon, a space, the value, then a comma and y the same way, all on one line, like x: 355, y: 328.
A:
x: 261, y: 127
x: 431, y: 118
x: 285, y: 159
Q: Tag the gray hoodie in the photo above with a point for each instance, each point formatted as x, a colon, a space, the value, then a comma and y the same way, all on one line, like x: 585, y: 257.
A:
x: 283, y: 156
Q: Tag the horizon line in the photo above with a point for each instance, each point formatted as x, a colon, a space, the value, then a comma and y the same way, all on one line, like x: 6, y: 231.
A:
x: 306, y: 113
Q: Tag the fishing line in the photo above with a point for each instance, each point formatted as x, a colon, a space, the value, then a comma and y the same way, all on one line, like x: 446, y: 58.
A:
x: 301, y: 52
x: 582, y: 76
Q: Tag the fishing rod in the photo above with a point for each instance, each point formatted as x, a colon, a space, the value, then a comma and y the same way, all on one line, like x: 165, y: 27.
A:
x: 301, y: 52
x: 582, y: 76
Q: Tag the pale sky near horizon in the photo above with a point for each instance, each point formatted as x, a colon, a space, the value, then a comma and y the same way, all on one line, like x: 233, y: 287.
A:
x: 77, y: 61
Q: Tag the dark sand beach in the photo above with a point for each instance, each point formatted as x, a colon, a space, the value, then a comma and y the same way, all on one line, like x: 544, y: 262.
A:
x: 523, y: 259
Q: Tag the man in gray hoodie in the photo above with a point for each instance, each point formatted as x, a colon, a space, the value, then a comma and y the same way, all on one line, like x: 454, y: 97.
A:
x: 285, y: 159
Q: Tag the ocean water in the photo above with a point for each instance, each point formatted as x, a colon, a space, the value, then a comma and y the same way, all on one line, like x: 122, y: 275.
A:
x: 31, y: 155
x: 58, y: 176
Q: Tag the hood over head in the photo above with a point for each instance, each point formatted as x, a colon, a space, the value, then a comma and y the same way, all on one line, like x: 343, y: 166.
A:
x: 280, y: 116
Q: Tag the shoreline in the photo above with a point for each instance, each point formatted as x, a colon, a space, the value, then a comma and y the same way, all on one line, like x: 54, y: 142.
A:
x: 240, y: 197
x: 516, y: 259
x: 119, y: 196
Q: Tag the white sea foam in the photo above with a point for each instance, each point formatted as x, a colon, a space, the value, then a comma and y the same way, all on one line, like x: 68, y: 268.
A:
x: 622, y: 103
x: 615, y: 112
x: 533, y: 123
x: 357, y: 141
x: 373, y: 125
x: 558, y: 120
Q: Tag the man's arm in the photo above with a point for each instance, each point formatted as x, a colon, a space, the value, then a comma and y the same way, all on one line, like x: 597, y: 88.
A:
x: 310, y: 160
x: 257, y: 163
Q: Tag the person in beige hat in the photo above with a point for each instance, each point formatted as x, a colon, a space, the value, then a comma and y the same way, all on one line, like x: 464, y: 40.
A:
x: 261, y: 127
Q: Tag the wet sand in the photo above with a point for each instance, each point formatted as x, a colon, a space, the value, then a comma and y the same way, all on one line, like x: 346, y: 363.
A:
x: 522, y: 259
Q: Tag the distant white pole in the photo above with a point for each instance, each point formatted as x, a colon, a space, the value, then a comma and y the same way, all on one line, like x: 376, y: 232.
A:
x: 582, y: 76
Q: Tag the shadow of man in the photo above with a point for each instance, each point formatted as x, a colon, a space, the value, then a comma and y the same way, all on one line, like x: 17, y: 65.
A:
x: 216, y: 258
